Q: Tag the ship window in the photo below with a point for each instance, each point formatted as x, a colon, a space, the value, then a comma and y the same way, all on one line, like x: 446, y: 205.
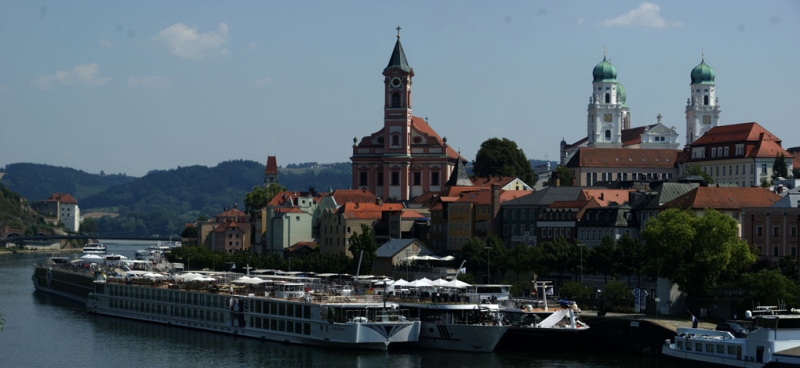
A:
x: 709, y: 348
x: 679, y: 344
x: 688, y: 345
x: 698, y: 346
x: 731, y: 350
x: 720, y: 349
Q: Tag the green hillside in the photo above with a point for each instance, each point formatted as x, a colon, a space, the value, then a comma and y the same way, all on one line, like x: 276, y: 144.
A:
x: 37, y: 181
x: 15, y: 213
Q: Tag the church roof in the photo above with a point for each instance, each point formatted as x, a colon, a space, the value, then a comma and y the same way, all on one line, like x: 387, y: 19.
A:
x: 617, y: 157
x: 398, y: 59
x: 762, y: 142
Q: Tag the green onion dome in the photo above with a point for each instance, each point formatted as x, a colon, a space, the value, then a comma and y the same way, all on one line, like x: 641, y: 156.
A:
x: 621, y: 94
x: 604, y: 72
x: 703, y: 74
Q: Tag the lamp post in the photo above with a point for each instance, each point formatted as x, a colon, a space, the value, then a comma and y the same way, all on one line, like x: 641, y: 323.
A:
x: 488, y: 262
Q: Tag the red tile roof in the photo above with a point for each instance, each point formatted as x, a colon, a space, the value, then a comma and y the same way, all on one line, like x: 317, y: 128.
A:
x: 61, y: 198
x: 283, y: 198
x: 272, y: 165
x: 734, y: 133
x: 420, y: 125
x: 487, y: 182
x: 634, y: 135
x: 618, y: 157
x: 484, y: 197
x: 342, y: 196
x: 300, y: 245
x: 353, y: 210
x: 233, y: 212
x: 410, y: 214
x: 618, y: 196
x: 721, y: 198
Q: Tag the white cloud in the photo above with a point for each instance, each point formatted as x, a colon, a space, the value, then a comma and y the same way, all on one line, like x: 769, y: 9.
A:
x: 186, y: 42
x: 251, y: 47
x: 106, y: 44
x: 647, y: 15
x: 147, y: 81
x: 263, y: 82
x: 87, y: 75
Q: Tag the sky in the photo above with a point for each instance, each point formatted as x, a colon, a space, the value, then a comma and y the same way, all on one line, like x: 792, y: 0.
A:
x: 133, y: 86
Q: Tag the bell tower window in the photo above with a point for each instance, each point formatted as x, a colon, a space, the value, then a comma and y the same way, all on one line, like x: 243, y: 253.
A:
x: 608, y: 98
x: 705, y: 100
x: 395, y: 99
x: 608, y: 135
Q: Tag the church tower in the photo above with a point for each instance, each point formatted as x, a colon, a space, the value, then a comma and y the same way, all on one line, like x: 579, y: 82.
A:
x: 271, y: 172
x: 702, y: 108
x: 397, y: 101
x: 607, y: 113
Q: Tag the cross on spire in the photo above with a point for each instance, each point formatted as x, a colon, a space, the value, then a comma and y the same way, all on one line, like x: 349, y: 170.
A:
x: 398, y: 31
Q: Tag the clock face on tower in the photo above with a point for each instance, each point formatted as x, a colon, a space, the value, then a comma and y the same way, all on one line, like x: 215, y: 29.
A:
x: 706, y: 119
x: 607, y: 118
x: 396, y: 82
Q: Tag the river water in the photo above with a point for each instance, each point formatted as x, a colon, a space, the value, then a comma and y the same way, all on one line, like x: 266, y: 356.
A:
x: 46, y: 331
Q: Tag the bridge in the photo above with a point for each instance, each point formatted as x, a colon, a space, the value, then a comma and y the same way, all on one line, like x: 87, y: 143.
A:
x: 17, y: 238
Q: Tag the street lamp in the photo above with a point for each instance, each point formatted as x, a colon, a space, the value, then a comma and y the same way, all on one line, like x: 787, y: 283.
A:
x: 488, y: 262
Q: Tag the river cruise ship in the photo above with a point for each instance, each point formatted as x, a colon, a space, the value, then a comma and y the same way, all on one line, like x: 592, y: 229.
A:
x: 276, y: 310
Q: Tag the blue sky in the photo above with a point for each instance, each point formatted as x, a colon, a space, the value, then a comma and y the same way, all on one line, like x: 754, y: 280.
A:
x: 128, y: 87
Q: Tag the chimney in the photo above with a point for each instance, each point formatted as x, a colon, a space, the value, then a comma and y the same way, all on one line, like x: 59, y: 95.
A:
x: 379, y: 201
x: 495, y: 206
x: 601, y: 196
x: 311, y: 191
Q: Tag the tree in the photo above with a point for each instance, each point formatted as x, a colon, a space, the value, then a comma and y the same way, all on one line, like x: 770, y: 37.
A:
x: 630, y: 257
x: 694, y: 170
x: 779, y: 169
x: 769, y: 287
x: 564, y: 176
x: 89, y: 226
x: 602, y: 259
x: 189, y: 232
x: 363, y: 242
x: 260, y: 196
x: 560, y: 256
x: 502, y: 157
x: 695, y: 251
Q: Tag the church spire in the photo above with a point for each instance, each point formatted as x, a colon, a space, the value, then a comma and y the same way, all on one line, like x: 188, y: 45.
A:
x: 398, y: 59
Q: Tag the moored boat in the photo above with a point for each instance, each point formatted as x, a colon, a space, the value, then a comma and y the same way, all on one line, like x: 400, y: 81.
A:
x: 772, y: 333
x: 94, y: 248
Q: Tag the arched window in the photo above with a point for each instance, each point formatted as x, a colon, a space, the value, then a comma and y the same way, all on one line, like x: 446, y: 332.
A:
x: 395, y: 99
x: 705, y: 100
x: 608, y: 98
x: 608, y: 135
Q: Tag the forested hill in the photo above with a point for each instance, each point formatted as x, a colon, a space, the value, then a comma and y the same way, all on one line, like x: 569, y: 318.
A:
x: 15, y: 214
x: 36, y: 182
x: 163, y: 200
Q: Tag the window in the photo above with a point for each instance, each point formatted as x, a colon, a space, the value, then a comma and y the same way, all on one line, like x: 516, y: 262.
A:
x: 705, y: 100
x: 417, y: 178
x: 774, y: 251
x: 776, y: 231
x: 608, y: 135
x: 395, y: 140
x: 380, y: 179
x: 739, y: 150
x: 362, y: 178
x: 435, y: 178
x: 395, y: 99
x: 759, y: 231
x: 395, y: 178
x: 513, y: 229
x: 793, y: 230
x: 763, y: 168
x: 713, y: 152
x: 793, y: 251
x: 505, y: 229
x: 608, y: 98
x: 522, y: 214
x: 726, y: 151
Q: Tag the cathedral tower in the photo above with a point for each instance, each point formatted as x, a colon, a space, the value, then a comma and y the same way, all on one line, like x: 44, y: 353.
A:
x: 702, y: 108
x: 607, y: 113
